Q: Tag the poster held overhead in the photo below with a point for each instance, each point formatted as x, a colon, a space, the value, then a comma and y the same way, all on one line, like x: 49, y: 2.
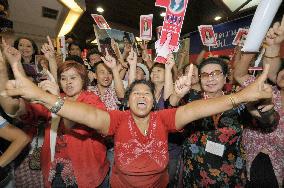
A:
x: 100, y: 21
x: 172, y: 25
x: 240, y: 37
x: 261, y: 21
x: 146, y: 26
x: 207, y: 35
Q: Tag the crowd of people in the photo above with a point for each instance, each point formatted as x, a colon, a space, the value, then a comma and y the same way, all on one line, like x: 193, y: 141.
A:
x: 127, y: 121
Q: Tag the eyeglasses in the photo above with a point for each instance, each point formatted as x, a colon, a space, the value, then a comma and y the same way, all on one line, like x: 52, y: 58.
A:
x: 214, y: 73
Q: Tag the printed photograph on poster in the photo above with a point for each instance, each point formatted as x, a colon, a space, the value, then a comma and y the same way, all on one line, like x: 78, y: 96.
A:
x: 207, y: 35
x: 177, y: 6
x: 41, y: 65
x: 146, y: 27
x: 159, y: 32
x: 100, y: 21
x: 240, y: 37
x: 124, y: 40
x: 172, y: 25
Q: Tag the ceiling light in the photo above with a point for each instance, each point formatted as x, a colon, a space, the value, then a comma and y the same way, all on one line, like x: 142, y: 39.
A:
x: 71, y: 4
x: 234, y: 5
x: 163, y: 14
x: 100, y: 9
x: 69, y: 22
x: 217, y: 18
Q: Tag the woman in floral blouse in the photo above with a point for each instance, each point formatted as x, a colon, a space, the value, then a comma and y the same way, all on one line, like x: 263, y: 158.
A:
x: 213, y: 154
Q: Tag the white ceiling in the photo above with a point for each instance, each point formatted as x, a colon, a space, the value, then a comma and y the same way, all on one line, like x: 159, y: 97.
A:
x: 28, y: 21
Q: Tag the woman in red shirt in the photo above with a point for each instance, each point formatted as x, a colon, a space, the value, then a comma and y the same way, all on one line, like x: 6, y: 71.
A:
x: 72, y: 154
x: 140, y: 135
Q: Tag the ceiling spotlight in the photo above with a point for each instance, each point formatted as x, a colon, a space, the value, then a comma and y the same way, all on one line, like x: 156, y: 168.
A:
x: 100, y: 9
x: 217, y: 18
x: 163, y: 14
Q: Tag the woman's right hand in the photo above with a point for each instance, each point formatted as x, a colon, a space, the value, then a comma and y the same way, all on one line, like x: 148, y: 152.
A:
x: 183, y: 84
x: 256, y: 90
x: 11, y: 53
x: 21, y: 86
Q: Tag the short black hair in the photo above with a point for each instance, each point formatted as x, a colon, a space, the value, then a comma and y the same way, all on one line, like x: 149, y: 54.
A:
x: 224, y: 57
x: 93, y: 51
x: 75, y: 44
x: 214, y: 60
x: 145, y: 82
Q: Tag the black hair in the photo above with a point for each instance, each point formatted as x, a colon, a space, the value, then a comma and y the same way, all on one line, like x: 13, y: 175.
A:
x: 93, y: 51
x: 75, y: 58
x: 127, y: 37
x: 35, y: 48
x: 214, y: 60
x: 224, y: 57
x: 136, y: 82
x: 75, y: 44
x: 160, y: 65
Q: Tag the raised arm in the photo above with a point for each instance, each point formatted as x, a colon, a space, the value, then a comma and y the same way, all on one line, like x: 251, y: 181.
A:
x: 49, y: 53
x: 241, y: 67
x: 204, y: 108
x: 132, y: 60
x: 274, y: 38
x: 118, y: 84
x: 168, y: 88
x: 18, y: 141
x: 74, y: 111
x: 9, y: 105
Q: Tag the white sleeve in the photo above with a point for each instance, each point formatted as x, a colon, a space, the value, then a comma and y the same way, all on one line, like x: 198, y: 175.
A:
x: 3, y: 122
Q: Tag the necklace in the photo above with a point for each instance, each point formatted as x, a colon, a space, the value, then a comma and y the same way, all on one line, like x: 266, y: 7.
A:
x: 145, y: 132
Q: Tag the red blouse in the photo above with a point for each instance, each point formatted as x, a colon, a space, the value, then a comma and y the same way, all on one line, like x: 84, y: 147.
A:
x: 141, y: 161
x: 85, y: 147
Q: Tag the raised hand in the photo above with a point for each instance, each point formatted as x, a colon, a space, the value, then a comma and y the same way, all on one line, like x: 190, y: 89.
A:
x: 163, y: 49
x: 132, y: 57
x: 48, y: 49
x: 257, y: 90
x: 21, y: 86
x: 170, y: 61
x: 50, y: 87
x: 183, y: 84
x: 275, y: 35
x: 11, y: 53
x: 109, y: 60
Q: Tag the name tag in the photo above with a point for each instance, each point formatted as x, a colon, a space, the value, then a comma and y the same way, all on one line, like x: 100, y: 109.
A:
x: 215, y: 148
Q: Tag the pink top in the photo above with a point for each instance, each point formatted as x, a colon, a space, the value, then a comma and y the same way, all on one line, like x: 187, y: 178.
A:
x: 254, y: 141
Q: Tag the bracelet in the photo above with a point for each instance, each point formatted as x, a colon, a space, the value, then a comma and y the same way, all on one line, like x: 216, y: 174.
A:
x: 57, y: 105
x: 272, y: 57
x: 233, y: 102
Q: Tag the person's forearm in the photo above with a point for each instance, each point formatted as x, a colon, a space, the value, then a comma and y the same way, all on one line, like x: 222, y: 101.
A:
x: 204, y: 108
x: 53, y: 68
x: 168, y: 88
x: 85, y: 114
x: 9, y: 105
x: 241, y: 68
x: 14, y: 149
x: 118, y: 84
x: 132, y: 74
x: 272, y: 58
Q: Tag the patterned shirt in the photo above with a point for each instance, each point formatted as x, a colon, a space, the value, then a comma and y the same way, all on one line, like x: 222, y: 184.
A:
x: 255, y: 140
x: 109, y: 98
